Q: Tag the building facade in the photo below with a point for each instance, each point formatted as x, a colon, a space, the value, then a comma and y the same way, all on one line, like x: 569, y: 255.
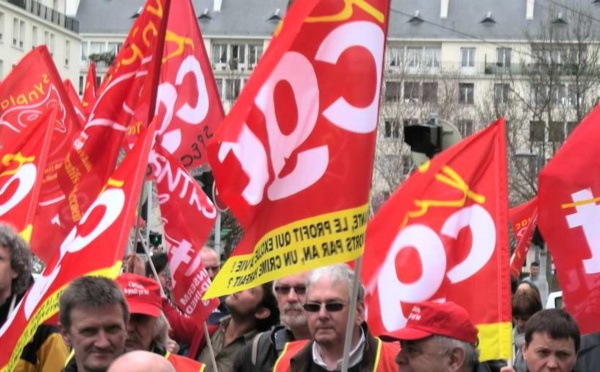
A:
x: 534, y: 62
x: 25, y: 24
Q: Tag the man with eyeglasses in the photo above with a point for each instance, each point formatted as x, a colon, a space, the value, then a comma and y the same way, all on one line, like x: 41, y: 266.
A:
x: 265, y: 348
x: 328, y: 292
x: 438, y: 337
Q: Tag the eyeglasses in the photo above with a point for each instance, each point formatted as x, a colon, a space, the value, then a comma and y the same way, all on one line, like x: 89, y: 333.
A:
x: 285, y: 289
x: 330, y: 307
x: 212, y: 268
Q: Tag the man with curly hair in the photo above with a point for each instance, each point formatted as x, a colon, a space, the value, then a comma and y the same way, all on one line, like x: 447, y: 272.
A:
x: 46, y: 351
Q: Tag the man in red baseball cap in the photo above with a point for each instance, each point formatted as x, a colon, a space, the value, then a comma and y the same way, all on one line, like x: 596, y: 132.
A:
x: 438, y: 337
x: 147, y: 328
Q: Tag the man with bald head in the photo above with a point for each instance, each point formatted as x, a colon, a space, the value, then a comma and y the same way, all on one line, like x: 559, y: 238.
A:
x: 141, y: 361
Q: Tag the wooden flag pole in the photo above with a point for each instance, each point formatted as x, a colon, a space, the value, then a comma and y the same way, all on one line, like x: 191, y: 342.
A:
x: 213, y: 360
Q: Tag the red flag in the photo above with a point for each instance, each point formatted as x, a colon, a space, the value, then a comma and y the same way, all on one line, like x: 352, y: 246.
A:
x: 22, y: 164
x: 568, y: 192
x: 93, y: 247
x: 188, y: 101
x: 89, y: 91
x: 33, y: 86
x: 523, y: 219
x: 294, y: 157
x: 188, y: 216
x: 74, y: 98
x: 94, y: 153
x: 443, y: 236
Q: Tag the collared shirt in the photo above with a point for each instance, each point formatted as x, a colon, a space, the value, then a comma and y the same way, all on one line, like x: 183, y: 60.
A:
x: 356, y: 354
x: 224, y: 354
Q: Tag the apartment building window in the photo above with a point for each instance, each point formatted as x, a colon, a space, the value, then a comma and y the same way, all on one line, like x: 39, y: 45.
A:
x: 467, y: 57
x: 34, y: 37
x: 406, y: 165
x: 52, y: 43
x: 432, y: 57
x: 414, y: 56
x: 392, y: 91
x: 412, y: 91
x: 503, y: 57
x: 537, y: 131
x: 237, y: 54
x: 254, y: 54
x: 421, y: 56
x: 430, y: 92
x: 556, y: 132
x: 232, y: 88
x: 465, y: 127
x: 114, y: 47
x: 501, y: 93
x: 392, y: 128
x: 559, y: 95
x: 1, y: 27
x: 571, y: 125
x: 18, y: 33
x: 67, y: 51
x: 466, y: 93
x: 219, y: 83
x: 219, y: 53
x: 84, y: 51
x: 394, y: 56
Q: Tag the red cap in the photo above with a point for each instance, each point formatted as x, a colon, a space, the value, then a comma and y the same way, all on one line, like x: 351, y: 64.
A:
x: 142, y: 294
x: 433, y: 318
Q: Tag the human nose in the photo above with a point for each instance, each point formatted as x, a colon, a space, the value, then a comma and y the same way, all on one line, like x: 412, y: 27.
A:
x: 401, y: 357
x: 552, y: 363
x: 293, y: 296
x: 101, y: 340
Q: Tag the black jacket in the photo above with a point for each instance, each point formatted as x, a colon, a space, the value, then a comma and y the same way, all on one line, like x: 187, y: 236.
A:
x: 588, y: 359
x: 266, y: 347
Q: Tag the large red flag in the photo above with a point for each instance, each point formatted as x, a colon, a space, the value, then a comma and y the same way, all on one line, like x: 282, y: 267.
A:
x: 569, y: 219
x: 89, y: 90
x: 22, y: 165
x: 188, y: 101
x: 94, y: 246
x: 33, y: 86
x: 443, y: 236
x: 523, y: 219
x: 94, y: 153
x: 294, y: 157
x: 188, y: 216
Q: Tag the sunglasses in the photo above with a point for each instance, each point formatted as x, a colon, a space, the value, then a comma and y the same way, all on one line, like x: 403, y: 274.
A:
x: 212, y: 268
x: 330, y: 307
x: 285, y: 289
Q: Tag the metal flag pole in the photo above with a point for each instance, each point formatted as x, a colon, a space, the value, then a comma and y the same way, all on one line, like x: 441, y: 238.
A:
x: 162, y: 290
x: 351, y: 315
x: 218, y: 235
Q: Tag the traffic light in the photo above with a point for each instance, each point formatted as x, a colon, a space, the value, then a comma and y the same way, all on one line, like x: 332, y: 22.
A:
x: 424, y: 138
x: 155, y: 238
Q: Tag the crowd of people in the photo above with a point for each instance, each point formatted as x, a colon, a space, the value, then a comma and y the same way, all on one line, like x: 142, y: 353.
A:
x: 296, y: 323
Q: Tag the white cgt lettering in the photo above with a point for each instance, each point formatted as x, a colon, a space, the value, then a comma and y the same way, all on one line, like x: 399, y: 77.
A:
x: 25, y: 176
x: 298, y: 72
x: 432, y: 254
x: 111, y: 203
x: 191, y: 113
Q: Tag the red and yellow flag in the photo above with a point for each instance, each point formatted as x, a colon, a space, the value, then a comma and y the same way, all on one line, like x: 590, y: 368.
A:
x: 94, y: 246
x: 523, y: 219
x: 294, y: 157
x: 22, y: 165
x: 182, y: 201
x: 569, y: 215
x: 89, y: 91
x: 443, y: 236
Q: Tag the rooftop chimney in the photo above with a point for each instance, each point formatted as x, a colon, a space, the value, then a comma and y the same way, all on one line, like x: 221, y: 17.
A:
x: 217, y: 5
x: 529, y: 12
x: 444, y: 9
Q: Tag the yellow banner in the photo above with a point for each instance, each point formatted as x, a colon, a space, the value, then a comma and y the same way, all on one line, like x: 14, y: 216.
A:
x: 48, y: 309
x: 291, y: 249
x: 495, y: 341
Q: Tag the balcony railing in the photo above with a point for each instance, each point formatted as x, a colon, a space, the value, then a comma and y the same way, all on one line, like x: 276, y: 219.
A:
x: 47, y: 13
x: 491, y: 69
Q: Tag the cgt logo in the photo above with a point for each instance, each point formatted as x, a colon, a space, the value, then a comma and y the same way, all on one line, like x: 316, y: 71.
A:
x: 434, y: 261
x: 23, y: 176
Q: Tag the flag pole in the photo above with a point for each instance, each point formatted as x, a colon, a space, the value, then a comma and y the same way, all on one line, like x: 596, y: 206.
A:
x: 351, y: 315
x: 213, y: 360
x: 152, y: 268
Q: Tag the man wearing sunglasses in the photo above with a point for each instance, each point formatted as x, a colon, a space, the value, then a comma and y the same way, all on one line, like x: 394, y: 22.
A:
x: 327, y: 311
x: 438, y: 337
x: 265, y: 348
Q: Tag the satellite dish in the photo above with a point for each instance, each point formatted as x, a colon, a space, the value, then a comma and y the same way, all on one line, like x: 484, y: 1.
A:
x: 450, y: 136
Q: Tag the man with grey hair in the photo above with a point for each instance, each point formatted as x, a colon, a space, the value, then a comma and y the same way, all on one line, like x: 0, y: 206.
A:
x: 327, y: 306
x: 265, y: 348
x: 46, y: 351
x: 438, y: 337
x: 93, y: 319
